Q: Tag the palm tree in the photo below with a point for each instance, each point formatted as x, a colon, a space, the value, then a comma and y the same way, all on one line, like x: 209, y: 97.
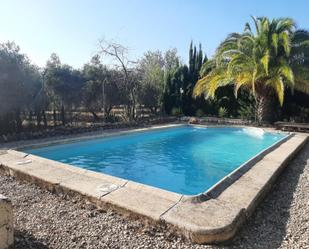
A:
x: 265, y: 62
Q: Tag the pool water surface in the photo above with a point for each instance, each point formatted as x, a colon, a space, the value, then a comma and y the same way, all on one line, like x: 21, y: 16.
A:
x: 185, y: 159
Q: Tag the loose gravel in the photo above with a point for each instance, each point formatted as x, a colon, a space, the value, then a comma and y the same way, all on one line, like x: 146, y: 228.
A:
x: 44, y: 220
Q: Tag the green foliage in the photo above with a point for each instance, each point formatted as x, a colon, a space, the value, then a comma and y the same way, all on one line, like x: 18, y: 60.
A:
x: 180, y: 81
x: 20, y: 84
x: 151, y: 68
x: 101, y: 88
x: 173, y: 84
x: 94, y: 74
x: 222, y: 112
x: 264, y: 62
x: 171, y: 60
x: 176, y: 111
x: 246, y: 111
x: 246, y: 105
x: 63, y: 83
x: 199, y: 113
x: 248, y: 68
x: 304, y: 114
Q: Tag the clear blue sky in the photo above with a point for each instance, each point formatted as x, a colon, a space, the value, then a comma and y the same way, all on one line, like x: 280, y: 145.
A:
x: 72, y: 28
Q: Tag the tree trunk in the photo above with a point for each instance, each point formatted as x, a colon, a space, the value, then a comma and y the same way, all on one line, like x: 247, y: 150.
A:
x: 153, y: 110
x: 62, y: 115
x: 107, y: 112
x: 55, y: 117
x: 38, y: 119
x: 19, y: 125
x: 30, y: 116
x: 95, y: 116
x: 264, y: 107
x: 132, y: 115
x: 44, y: 118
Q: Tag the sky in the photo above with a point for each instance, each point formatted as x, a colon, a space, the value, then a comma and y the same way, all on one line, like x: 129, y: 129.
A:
x: 72, y: 28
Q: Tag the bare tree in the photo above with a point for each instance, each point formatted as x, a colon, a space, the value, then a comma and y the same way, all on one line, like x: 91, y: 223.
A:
x: 119, y: 54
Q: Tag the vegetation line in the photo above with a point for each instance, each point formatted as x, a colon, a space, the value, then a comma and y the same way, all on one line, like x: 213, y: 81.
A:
x: 261, y: 74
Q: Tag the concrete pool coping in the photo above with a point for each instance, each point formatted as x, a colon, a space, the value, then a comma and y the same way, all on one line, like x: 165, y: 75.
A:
x: 207, y: 219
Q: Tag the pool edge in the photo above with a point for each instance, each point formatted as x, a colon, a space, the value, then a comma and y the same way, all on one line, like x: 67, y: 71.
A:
x: 218, y: 219
x: 149, y: 202
x: 229, y: 179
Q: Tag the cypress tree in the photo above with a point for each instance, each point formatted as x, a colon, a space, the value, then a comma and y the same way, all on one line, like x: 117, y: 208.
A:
x: 192, y: 69
x: 191, y: 62
x: 205, y: 59
x: 199, y: 59
x: 184, y: 77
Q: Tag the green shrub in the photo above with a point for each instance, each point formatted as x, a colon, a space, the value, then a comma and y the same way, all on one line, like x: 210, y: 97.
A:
x: 199, y: 113
x: 176, y: 111
x: 246, y: 112
x: 222, y: 112
x: 304, y: 114
x: 246, y: 108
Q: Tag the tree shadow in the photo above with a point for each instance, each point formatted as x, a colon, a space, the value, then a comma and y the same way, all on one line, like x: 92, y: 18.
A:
x: 266, y: 228
x: 24, y: 240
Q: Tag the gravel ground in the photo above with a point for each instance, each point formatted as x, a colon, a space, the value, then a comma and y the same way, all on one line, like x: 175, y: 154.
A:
x: 44, y: 220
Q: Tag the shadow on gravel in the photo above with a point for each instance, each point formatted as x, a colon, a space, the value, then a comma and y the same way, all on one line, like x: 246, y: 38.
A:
x: 267, y: 226
x: 24, y: 240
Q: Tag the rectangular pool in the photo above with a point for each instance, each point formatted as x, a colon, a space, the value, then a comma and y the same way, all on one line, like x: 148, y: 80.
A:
x: 186, y: 159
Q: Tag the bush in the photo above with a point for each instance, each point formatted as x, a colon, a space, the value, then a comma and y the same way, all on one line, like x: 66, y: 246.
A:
x: 304, y: 114
x: 222, y: 112
x: 246, y: 112
x: 199, y: 113
x: 176, y: 111
x: 246, y: 109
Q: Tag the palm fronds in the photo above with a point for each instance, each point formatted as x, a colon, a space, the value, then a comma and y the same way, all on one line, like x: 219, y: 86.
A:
x: 273, y: 54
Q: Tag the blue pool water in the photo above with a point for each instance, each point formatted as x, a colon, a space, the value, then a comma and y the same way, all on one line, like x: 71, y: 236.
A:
x: 187, y: 160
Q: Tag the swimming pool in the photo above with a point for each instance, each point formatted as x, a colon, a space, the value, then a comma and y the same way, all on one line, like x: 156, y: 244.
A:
x: 186, y: 160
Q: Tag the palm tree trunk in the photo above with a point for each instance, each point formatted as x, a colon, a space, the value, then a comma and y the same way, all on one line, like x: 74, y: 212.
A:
x: 264, y: 107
